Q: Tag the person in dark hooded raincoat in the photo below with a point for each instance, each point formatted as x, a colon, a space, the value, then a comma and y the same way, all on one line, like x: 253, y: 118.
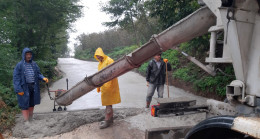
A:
x: 26, y: 78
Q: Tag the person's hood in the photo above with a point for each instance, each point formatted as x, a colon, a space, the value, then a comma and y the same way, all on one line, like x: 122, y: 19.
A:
x: 25, y: 50
x: 99, y: 52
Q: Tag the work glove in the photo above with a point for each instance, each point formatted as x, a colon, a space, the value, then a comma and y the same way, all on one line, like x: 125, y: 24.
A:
x: 98, y: 89
x: 21, y: 93
x: 46, y: 80
x: 165, y: 60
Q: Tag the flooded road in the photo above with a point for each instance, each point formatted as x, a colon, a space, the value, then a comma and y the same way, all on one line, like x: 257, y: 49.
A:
x: 132, y: 88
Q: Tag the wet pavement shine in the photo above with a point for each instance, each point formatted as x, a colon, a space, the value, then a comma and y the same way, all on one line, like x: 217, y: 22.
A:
x: 132, y: 88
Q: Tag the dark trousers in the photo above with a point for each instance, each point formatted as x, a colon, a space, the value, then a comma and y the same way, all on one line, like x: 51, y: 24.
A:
x: 31, y: 94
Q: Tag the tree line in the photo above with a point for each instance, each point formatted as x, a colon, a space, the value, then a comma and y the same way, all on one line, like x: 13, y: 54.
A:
x: 133, y: 22
x: 41, y: 25
x: 140, y: 19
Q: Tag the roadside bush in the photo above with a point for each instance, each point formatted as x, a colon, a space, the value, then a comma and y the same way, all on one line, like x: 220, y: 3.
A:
x: 183, y: 73
x: 143, y: 67
x: 205, y: 82
x: 173, y: 57
x: 8, y: 101
x: 8, y: 60
x: 217, y: 83
x: 7, y: 116
x: 8, y: 96
x: 86, y: 54
x: 119, y: 52
x: 115, y: 53
x: 47, y: 68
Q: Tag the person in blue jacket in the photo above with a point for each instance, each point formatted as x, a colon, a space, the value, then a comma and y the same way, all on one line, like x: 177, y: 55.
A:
x: 26, y: 78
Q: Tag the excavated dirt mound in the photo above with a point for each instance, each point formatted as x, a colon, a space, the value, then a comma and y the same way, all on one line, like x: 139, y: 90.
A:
x: 50, y: 124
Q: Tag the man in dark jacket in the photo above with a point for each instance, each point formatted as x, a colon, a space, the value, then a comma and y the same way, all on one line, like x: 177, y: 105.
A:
x: 26, y: 78
x: 155, y: 77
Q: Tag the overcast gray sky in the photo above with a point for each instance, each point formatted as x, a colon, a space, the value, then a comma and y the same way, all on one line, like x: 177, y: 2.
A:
x: 90, y: 22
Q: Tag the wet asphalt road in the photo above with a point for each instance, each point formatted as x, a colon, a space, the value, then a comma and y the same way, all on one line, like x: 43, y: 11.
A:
x: 132, y: 88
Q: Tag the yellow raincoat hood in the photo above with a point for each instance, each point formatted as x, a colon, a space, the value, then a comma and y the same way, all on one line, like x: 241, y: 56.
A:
x: 99, y: 52
x: 110, y: 90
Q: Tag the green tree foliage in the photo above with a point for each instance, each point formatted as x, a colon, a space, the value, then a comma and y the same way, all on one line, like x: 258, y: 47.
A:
x: 171, y: 11
x: 107, y: 40
x: 119, y: 52
x: 173, y: 55
x: 132, y: 16
x: 127, y: 31
x: 123, y: 12
x: 8, y: 60
x: 40, y: 25
x: 142, y: 68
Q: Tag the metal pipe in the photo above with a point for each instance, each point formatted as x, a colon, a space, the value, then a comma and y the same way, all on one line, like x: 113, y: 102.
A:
x: 188, y: 28
x: 213, y: 39
x: 198, y: 63
x: 243, y: 92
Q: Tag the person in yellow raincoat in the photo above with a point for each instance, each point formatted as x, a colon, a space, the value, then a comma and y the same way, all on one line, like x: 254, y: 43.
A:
x: 109, y: 91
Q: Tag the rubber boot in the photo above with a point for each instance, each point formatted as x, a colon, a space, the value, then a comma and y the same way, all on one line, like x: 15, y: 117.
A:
x: 147, y: 105
x: 108, y: 118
